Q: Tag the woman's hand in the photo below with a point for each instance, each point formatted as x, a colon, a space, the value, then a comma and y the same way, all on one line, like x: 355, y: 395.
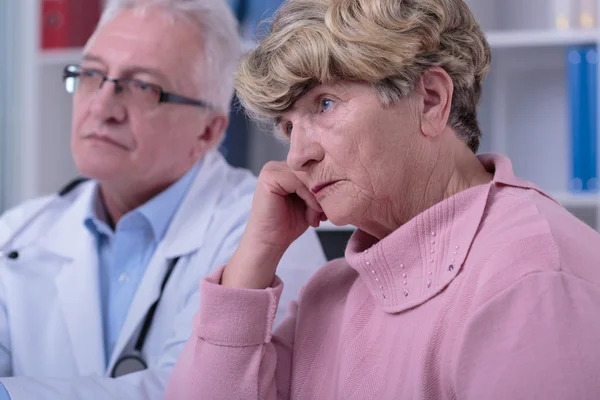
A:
x: 282, y: 209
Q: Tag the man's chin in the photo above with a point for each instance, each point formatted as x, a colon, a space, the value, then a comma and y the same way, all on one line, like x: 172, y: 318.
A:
x: 99, y: 172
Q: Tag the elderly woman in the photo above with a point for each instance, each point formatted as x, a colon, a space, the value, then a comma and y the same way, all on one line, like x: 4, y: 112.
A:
x: 462, y: 281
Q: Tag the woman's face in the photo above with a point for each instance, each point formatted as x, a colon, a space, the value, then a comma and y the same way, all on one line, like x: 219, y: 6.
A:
x: 361, y: 159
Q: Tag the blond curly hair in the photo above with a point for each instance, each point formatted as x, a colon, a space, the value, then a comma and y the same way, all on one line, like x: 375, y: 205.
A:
x: 387, y: 43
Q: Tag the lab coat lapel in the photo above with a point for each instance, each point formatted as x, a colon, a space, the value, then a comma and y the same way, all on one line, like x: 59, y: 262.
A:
x: 192, y: 221
x: 78, y: 292
x: 185, y: 235
x: 77, y: 285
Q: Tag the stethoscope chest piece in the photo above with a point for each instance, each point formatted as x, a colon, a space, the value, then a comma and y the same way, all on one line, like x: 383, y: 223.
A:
x: 128, y: 365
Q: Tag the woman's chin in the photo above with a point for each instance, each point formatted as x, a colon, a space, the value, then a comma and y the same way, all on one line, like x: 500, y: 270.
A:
x: 338, y: 218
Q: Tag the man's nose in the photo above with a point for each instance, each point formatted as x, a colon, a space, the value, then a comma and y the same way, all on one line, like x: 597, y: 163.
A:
x: 107, y: 103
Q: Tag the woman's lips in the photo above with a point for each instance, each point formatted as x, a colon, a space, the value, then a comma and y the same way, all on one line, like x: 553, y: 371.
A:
x: 319, y: 188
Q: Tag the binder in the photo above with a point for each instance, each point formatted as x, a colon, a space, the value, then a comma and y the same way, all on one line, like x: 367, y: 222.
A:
x: 582, y: 84
x: 591, y: 103
x: 86, y: 16
x: 68, y: 23
x: 586, y: 13
x: 55, y: 24
x: 575, y: 76
x: 564, y: 14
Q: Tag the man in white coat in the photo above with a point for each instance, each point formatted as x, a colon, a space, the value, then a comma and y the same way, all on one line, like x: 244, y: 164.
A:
x: 98, y: 284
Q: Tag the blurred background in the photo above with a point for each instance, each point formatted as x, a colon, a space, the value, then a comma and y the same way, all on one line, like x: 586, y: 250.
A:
x: 539, y: 105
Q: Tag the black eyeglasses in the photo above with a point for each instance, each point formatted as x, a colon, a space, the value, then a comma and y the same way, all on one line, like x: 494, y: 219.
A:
x: 88, y: 80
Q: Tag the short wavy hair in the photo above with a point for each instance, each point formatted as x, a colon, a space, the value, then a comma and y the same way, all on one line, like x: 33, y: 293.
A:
x: 387, y: 43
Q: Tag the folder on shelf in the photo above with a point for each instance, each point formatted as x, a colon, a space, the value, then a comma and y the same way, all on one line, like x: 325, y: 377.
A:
x: 86, y: 16
x: 55, y: 22
x: 68, y: 23
x: 582, y: 110
x: 564, y: 14
x: 591, y: 102
x: 576, y: 118
x: 586, y: 10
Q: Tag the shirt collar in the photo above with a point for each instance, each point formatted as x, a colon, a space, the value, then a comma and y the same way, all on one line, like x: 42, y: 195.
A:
x: 419, y: 259
x: 96, y: 216
x: 158, y: 211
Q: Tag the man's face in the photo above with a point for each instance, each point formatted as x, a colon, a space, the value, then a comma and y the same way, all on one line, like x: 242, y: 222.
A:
x: 119, y: 137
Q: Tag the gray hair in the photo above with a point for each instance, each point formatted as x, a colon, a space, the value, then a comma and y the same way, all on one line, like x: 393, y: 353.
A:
x: 221, y: 41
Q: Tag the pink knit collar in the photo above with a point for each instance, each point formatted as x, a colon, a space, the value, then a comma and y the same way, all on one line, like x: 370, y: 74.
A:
x: 419, y: 259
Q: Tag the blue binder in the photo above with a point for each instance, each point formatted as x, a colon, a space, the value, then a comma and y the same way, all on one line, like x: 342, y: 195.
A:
x: 583, y: 125
x: 591, y: 96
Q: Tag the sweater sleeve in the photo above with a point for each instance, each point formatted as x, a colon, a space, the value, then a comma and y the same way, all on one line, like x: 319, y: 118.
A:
x: 232, y: 353
x: 537, y: 339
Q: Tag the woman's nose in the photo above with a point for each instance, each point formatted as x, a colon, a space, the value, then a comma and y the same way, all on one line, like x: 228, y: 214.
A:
x: 305, y: 148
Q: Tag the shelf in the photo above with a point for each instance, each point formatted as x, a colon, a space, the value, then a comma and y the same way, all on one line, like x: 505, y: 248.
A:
x: 60, y: 57
x: 518, y: 38
x: 577, y: 200
x: 524, y: 38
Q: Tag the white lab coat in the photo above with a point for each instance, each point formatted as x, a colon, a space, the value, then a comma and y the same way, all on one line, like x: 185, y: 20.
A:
x: 51, y: 339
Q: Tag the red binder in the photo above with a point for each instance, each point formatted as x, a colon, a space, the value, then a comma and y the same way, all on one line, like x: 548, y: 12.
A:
x: 86, y: 14
x: 55, y: 24
x: 68, y: 23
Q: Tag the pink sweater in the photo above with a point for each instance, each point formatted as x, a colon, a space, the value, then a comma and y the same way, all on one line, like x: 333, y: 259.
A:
x: 493, y: 293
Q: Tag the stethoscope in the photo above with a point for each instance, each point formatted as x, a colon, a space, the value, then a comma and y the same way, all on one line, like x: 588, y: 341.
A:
x: 6, y: 251
x: 126, y: 364
x: 135, y: 362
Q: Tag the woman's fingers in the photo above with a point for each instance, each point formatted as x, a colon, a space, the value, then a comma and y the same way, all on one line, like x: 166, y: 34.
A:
x: 313, y: 217
x: 285, y: 182
x: 310, y: 200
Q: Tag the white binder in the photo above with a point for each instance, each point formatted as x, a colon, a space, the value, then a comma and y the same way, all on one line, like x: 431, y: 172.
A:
x: 586, y: 13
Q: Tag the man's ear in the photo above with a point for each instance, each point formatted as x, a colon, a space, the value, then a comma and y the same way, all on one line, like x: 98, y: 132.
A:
x: 212, y: 134
x: 435, y: 87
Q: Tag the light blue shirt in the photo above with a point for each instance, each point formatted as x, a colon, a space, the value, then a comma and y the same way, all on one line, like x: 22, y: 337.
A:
x: 124, y: 253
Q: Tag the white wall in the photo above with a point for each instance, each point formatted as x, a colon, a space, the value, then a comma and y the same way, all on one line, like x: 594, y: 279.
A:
x: 6, y: 41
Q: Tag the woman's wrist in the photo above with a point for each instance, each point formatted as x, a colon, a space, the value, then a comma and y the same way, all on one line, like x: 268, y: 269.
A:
x: 252, y: 266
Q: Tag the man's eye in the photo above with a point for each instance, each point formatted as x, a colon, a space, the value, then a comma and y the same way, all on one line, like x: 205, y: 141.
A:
x: 90, y: 73
x: 143, y: 86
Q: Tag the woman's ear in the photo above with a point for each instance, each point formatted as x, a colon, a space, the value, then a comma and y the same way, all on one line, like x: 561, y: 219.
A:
x: 436, y: 88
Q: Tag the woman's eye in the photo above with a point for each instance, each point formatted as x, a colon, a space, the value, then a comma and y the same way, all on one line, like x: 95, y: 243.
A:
x: 325, y: 104
x: 288, y: 128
